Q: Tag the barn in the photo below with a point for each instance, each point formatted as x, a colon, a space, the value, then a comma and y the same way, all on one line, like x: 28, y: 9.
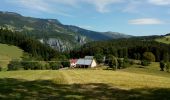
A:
x: 86, y: 62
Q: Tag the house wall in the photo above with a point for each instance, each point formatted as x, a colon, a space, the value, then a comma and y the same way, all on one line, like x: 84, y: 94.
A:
x: 72, y: 64
x: 93, y: 64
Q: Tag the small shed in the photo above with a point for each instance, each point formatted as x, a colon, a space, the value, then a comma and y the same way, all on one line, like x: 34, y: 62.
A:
x: 73, y: 62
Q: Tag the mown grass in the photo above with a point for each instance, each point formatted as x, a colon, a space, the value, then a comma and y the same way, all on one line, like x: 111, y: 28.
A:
x: 8, y: 52
x: 81, y: 84
x: 152, y: 69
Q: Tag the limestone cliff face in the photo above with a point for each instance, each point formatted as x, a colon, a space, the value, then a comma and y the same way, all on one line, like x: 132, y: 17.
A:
x: 62, y: 45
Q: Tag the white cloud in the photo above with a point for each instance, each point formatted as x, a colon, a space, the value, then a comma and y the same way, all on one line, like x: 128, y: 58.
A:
x: 159, y: 2
x: 102, y: 6
x: 62, y: 7
x: 146, y: 21
x: 42, y: 6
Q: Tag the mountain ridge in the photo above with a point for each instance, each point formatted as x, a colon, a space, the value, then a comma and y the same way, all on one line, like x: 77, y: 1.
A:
x: 49, y: 29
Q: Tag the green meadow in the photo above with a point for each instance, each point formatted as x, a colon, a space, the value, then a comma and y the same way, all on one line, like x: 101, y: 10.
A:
x: 85, y: 84
x: 132, y: 83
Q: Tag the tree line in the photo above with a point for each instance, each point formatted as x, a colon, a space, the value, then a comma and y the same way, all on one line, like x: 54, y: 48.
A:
x: 124, y: 48
x: 28, y: 44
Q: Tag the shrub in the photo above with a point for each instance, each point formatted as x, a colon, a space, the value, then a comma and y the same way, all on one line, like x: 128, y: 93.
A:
x: 99, y: 58
x: 149, y: 56
x: 123, y: 63
x: 113, y: 63
x: 36, y: 66
x: 65, y: 64
x: 14, y: 65
x: 120, y: 63
x: 29, y: 65
x: 126, y: 63
x: 55, y: 65
x: 46, y: 66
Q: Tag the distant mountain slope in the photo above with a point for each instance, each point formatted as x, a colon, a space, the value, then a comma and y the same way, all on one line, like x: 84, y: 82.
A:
x: 90, y: 34
x: 93, y: 35
x: 52, y: 32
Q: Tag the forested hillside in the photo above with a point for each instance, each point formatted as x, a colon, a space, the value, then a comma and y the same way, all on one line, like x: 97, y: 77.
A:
x: 29, y: 45
x: 125, y: 48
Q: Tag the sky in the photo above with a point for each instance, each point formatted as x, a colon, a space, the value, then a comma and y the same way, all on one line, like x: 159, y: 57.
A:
x: 133, y: 17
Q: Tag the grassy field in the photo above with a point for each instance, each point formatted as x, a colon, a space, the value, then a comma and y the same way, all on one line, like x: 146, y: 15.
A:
x: 152, y: 69
x: 81, y: 84
x: 165, y: 39
x: 8, y: 52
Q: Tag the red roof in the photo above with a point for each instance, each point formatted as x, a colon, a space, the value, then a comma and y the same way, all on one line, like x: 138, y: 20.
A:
x: 73, y: 60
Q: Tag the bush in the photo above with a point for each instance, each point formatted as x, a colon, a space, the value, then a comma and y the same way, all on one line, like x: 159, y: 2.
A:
x: 149, y: 56
x: 99, y: 58
x: 55, y: 65
x: 113, y: 63
x: 46, y: 67
x: 36, y: 66
x: 126, y: 63
x: 120, y: 63
x: 28, y: 65
x: 145, y: 63
x: 123, y: 63
x: 66, y: 64
x: 14, y: 65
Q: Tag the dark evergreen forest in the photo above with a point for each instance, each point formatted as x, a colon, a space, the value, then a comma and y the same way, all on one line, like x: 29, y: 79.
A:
x: 132, y: 48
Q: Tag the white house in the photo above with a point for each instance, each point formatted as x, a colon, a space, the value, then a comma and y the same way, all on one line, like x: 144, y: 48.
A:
x: 86, y: 62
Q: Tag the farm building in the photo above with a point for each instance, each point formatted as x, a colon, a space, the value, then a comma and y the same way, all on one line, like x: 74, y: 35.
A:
x: 87, y: 61
x: 73, y: 62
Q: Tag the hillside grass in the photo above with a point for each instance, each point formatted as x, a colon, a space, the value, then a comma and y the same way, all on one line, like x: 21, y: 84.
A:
x: 83, y: 84
x: 9, y: 52
x: 152, y: 69
x: 165, y: 40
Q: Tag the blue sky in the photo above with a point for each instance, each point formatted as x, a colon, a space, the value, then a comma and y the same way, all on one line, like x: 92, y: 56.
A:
x: 134, y: 17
